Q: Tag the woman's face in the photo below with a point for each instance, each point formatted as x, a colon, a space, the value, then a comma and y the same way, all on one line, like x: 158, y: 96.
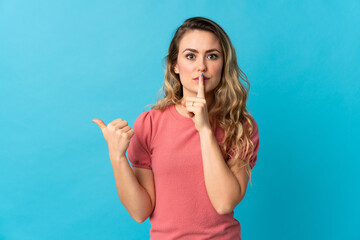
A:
x: 199, y: 52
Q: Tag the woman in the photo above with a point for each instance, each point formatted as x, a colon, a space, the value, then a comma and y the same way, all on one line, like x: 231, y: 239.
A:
x: 193, y: 152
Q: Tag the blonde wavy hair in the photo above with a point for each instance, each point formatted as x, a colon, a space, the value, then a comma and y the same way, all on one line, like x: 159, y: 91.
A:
x: 229, y: 111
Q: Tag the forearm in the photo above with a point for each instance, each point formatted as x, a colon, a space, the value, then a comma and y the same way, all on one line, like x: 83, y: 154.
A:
x: 131, y: 194
x: 221, y: 185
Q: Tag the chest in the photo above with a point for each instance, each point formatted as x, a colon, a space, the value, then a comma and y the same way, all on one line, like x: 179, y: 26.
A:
x: 176, y: 151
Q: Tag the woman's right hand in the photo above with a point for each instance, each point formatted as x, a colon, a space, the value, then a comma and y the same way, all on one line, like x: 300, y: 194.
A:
x: 117, y: 135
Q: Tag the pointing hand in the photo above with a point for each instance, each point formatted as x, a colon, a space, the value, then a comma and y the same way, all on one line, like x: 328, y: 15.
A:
x: 117, y: 134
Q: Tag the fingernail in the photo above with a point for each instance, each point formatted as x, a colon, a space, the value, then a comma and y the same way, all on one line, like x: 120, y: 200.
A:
x: 202, y: 74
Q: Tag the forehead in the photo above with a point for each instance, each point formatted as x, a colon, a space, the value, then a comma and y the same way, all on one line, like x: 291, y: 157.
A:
x: 200, y: 40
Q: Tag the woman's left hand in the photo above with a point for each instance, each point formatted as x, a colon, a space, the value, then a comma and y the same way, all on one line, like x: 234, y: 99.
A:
x: 197, y: 108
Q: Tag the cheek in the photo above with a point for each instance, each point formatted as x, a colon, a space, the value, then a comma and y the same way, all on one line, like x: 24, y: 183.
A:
x: 218, y: 68
x: 184, y: 68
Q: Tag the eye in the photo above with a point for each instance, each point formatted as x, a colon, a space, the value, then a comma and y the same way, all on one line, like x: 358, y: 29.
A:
x: 213, y: 56
x: 190, y: 56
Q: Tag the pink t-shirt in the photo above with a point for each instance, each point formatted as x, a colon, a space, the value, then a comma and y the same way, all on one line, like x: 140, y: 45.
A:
x: 169, y: 144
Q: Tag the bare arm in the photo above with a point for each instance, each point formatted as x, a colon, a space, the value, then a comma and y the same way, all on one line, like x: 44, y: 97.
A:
x: 225, y: 190
x: 131, y: 192
x: 132, y: 195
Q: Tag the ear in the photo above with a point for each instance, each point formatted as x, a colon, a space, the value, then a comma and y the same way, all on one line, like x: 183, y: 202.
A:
x: 176, y: 69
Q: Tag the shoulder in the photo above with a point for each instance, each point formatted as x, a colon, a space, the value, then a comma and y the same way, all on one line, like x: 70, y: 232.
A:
x: 151, y: 114
x: 149, y: 118
x: 254, y: 130
x: 254, y: 135
x: 255, y: 127
x: 220, y: 134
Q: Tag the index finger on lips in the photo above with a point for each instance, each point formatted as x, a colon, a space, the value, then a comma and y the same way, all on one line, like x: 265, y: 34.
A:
x: 201, y: 93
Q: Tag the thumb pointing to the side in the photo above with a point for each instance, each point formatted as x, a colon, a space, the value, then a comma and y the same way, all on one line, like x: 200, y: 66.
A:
x: 100, y: 123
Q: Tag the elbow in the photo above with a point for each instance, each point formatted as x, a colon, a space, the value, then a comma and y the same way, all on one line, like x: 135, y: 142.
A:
x: 140, y: 219
x: 140, y: 216
x: 228, y: 208
x: 224, y: 210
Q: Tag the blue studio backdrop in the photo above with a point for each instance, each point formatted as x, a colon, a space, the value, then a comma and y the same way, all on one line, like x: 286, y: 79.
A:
x: 63, y: 63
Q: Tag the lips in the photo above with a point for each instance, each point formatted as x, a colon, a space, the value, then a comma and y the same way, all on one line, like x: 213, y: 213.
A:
x: 197, y: 78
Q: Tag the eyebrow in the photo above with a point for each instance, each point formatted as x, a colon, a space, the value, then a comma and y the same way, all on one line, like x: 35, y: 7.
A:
x: 194, y: 50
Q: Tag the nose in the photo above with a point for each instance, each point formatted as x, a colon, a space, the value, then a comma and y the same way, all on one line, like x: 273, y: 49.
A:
x: 202, y: 65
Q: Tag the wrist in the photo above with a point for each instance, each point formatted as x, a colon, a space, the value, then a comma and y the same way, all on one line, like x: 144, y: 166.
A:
x: 205, y: 131
x: 117, y: 157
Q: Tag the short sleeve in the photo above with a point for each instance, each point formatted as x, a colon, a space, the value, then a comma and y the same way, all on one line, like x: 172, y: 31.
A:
x: 139, y: 150
x: 254, y: 137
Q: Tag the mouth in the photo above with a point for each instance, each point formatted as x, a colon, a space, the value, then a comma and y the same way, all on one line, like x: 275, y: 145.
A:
x: 197, y: 78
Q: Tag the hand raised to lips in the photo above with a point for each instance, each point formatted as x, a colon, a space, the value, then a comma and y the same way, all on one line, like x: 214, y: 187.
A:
x: 205, y: 78
x: 201, y: 91
x: 197, y: 108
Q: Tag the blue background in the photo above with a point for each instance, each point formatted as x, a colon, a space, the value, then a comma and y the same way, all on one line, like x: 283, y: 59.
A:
x: 64, y: 63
